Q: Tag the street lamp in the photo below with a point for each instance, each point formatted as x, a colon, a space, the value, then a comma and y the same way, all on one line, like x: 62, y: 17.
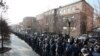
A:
x: 69, y: 24
x: 69, y: 20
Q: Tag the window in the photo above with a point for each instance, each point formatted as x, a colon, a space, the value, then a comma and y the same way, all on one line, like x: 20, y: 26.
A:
x: 73, y: 28
x: 52, y: 12
x: 58, y: 12
x: 61, y: 11
x: 68, y: 10
x: 64, y: 11
x: 73, y: 9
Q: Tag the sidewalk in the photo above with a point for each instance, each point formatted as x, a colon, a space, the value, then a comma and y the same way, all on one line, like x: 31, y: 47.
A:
x: 19, y: 48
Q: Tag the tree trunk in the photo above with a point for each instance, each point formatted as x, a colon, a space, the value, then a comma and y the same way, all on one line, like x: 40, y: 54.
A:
x: 2, y: 42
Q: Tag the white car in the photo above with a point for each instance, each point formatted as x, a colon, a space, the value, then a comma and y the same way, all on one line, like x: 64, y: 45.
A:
x: 83, y: 37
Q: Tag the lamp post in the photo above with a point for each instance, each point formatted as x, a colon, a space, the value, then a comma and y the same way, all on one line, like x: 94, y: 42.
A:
x: 69, y: 25
x: 70, y: 20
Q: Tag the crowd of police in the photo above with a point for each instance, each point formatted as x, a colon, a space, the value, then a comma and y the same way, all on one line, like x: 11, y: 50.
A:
x: 59, y: 45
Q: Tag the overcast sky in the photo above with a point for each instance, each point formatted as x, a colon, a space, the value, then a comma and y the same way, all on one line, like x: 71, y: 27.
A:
x: 18, y: 9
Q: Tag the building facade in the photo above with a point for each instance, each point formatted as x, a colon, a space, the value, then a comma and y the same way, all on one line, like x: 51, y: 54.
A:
x: 29, y: 24
x: 78, y: 14
x: 97, y: 22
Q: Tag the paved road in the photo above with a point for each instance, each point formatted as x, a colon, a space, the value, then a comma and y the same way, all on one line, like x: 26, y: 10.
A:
x: 19, y: 48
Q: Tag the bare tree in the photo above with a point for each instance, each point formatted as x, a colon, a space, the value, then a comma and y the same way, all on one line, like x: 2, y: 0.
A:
x: 4, y: 31
x: 97, y: 8
x: 97, y: 12
x: 4, y: 28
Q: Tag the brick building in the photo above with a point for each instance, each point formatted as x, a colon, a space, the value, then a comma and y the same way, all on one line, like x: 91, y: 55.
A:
x: 79, y: 14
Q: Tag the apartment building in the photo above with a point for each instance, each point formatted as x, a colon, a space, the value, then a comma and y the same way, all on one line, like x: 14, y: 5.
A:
x: 74, y: 19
